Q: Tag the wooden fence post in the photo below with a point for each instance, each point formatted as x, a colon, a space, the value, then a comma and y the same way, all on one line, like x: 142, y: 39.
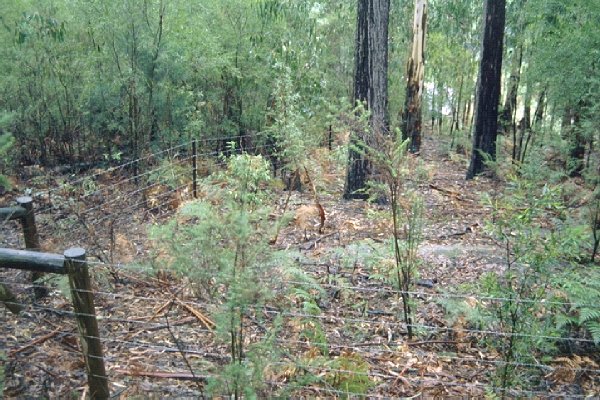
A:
x: 32, y: 240
x: 194, y: 169
x: 83, y: 304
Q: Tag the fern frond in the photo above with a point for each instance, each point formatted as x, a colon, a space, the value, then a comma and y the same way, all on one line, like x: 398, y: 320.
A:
x: 589, y: 315
x: 594, y: 328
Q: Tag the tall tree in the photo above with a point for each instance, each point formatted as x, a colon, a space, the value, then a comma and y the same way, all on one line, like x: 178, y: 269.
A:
x: 488, y: 87
x: 370, y: 86
x: 415, y: 68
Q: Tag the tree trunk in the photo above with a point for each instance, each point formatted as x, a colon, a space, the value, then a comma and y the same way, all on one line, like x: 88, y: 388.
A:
x: 370, y: 87
x: 539, y: 109
x: 488, y: 87
x: 412, y: 116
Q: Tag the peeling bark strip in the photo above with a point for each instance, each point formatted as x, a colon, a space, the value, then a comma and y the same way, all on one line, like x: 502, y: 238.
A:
x: 370, y: 86
x: 488, y: 87
x: 415, y: 69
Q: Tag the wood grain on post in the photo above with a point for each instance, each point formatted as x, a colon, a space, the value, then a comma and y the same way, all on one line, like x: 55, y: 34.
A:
x: 83, y: 303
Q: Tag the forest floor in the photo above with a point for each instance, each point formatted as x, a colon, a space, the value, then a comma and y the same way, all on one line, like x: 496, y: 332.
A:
x: 149, y: 319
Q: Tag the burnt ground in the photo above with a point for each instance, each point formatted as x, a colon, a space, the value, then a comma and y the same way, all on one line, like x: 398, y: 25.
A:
x: 154, y: 326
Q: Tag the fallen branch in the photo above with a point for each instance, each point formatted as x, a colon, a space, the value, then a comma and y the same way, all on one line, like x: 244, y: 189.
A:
x: 433, y: 342
x: 183, y: 321
x: 35, y: 342
x: 184, y: 376
x: 314, y: 242
x: 210, y: 325
x: 446, y: 191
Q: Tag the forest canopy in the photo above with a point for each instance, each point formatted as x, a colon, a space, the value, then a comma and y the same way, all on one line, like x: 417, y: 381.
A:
x: 93, y: 80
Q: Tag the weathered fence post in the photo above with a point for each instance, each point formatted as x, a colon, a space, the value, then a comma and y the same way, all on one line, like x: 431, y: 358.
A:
x: 194, y: 169
x: 83, y: 303
x: 32, y: 240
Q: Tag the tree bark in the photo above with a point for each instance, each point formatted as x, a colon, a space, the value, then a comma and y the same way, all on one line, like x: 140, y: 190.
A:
x: 415, y: 68
x: 488, y: 87
x: 370, y: 87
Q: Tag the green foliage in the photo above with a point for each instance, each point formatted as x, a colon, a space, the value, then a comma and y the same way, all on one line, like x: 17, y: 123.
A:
x: 222, y: 249
x: 7, y: 141
x: 532, y: 253
x: 120, y: 78
x: 581, y: 289
x: 396, y: 172
x: 349, y: 374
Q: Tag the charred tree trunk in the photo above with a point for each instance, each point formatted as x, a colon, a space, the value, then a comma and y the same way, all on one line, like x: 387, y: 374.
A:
x: 370, y: 87
x: 488, y: 87
x: 412, y: 116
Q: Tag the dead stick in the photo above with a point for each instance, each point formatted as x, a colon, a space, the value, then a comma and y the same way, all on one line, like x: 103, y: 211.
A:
x: 317, y: 240
x: 433, y: 342
x: 162, y: 375
x: 201, y: 317
x: 35, y: 342
x: 183, y: 321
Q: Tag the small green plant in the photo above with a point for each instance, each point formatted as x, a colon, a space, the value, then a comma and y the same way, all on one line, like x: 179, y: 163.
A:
x: 169, y: 173
x: 6, y: 142
x: 221, y: 247
x: 580, y: 291
x: 394, y: 170
x: 531, y: 252
x: 349, y: 373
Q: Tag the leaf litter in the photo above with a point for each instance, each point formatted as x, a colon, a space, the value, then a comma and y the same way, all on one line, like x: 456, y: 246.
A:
x: 149, y: 318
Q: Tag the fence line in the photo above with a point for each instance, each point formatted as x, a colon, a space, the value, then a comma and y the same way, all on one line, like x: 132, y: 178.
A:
x: 379, y: 289
x: 130, y: 179
x: 386, y: 290
x: 334, y: 319
x: 161, y: 152
x: 197, y: 351
x: 319, y: 369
